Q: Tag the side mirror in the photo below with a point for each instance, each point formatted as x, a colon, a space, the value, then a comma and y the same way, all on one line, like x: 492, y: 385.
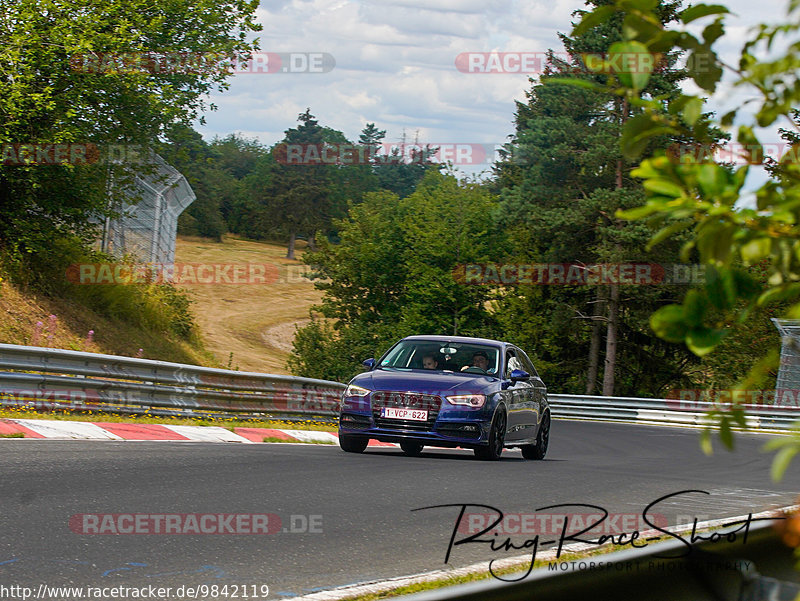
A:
x: 369, y: 364
x: 519, y: 375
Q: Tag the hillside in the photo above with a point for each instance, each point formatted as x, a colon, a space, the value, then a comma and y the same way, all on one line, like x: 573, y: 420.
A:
x: 29, y: 318
x: 254, y: 321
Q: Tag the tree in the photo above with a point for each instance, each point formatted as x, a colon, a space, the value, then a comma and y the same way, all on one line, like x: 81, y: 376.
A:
x: 253, y: 214
x: 185, y: 150
x: 371, y: 138
x: 689, y: 190
x: 216, y: 171
x: 400, y: 171
x: 300, y: 193
x: 562, y: 180
x: 397, y: 170
x: 304, y: 184
x: 392, y: 274
x: 86, y: 72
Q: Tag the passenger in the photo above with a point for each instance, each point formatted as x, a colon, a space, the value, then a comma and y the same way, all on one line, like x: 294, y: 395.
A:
x: 430, y: 362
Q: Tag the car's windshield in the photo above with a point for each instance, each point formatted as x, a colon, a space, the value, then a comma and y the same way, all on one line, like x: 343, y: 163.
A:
x: 443, y: 356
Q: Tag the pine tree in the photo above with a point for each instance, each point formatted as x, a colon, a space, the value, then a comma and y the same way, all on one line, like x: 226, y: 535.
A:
x: 300, y: 193
x: 563, y: 176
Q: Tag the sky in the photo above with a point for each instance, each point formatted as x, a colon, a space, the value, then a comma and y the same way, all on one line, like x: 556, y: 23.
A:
x: 395, y: 66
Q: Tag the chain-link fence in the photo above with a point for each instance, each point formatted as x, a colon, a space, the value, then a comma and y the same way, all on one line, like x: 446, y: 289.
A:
x: 789, y: 372
x: 148, y: 221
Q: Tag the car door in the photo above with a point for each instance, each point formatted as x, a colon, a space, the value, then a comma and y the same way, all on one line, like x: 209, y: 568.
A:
x: 539, y: 395
x: 520, y: 397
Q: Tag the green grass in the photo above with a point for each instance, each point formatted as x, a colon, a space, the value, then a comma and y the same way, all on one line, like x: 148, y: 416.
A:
x: 519, y: 569
x: 229, y: 423
x: 123, y: 319
x: 446, y: 581
x: 13, y: 435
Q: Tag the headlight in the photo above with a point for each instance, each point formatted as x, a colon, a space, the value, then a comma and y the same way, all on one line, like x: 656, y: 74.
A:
x: 353, y: 390
x: 470, y: 400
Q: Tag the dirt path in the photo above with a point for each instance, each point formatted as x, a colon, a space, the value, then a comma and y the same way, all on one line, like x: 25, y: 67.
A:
x: 280, y: 336
x: 254, y: 321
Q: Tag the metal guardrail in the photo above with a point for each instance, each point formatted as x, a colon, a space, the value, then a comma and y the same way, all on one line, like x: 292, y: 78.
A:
x: 659, y: 411
x: 47, y: 378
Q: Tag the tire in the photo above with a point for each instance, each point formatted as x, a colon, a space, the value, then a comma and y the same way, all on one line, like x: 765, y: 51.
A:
x: 353, y: 444
x: 497, y: 435
x: 411, y: 448
x: 539, y: 449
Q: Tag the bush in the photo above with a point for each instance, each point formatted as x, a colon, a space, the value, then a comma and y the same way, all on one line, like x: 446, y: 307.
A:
x: 158, y: 307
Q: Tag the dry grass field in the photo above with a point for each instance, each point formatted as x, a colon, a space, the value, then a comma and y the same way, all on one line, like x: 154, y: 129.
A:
x: 254, y: 321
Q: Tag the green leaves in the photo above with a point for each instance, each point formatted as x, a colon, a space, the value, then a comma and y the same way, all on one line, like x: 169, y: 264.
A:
x: 702, y: 341
x: 669, y: 323
x: 756, y: 249
x: 689, y: 188
x: 638, y: 132
x: 693, y: 321
x: 702, y: 10
x: 704, y: 69
x: 684, y: 324
x: 632, y: 63
x: 725, y: 421
x: 663, y: 187
x: 668, y: 232
x: 692, y: 110
x: 57, y: 84
x: 592, y: 19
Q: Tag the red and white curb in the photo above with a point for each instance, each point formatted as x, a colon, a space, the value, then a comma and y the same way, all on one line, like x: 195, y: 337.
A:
x: 73, y: 430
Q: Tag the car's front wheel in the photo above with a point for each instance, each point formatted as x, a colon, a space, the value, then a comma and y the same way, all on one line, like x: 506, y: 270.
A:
x: 539, y: 449
x: 411, y: 448
x: 353, y: 444
x: 497, y: 435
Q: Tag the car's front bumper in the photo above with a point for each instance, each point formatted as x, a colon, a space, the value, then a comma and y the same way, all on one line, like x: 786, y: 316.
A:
x: 445, y: 431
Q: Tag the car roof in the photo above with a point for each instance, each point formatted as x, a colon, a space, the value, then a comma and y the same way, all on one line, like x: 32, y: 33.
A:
x: 464, y: 339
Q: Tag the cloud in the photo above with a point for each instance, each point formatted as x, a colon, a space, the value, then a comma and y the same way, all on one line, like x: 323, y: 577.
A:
x: 395, y: 65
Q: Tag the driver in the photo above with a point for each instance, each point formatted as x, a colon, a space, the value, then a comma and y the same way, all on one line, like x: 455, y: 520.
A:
x: 480, y: 359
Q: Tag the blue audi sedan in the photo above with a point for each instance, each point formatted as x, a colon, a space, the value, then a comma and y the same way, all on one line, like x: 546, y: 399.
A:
x: 448, y: 391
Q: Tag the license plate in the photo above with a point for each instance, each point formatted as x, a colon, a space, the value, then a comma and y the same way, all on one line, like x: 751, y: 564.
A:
x: 418, y: 415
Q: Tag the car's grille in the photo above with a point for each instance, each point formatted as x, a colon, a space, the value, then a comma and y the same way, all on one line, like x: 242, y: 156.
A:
x: 406, y: 400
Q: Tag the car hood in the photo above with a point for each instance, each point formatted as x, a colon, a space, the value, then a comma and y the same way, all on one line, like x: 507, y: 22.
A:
x: 435, y: 382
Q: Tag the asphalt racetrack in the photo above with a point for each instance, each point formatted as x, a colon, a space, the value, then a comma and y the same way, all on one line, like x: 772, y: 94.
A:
x: 339, y: 518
